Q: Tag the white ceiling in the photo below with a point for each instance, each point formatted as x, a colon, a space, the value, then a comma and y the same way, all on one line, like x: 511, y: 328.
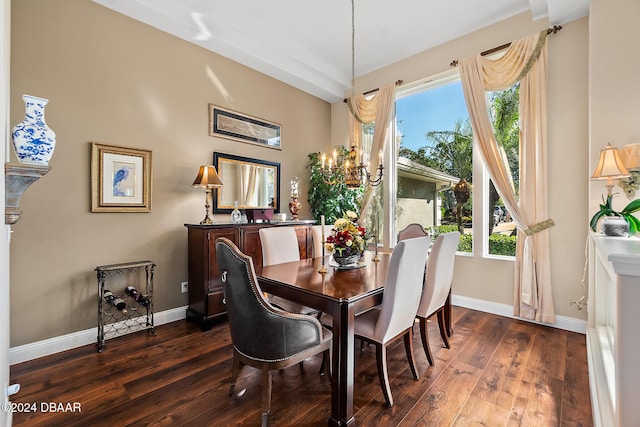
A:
x: 308, y: 44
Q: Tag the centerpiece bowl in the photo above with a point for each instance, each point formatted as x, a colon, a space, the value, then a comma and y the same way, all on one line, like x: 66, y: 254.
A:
x: 346, y: 260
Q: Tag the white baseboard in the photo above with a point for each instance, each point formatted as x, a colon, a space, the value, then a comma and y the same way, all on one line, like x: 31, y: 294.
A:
x: 34, y: 350
x: 562, y: 322
x: 42, y: 348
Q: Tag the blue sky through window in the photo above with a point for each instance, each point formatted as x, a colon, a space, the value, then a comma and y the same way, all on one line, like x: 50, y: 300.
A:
x: 434, y: 109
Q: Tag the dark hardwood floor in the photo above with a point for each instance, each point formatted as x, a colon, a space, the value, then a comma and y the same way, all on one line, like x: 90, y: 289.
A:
x: 498, y: 372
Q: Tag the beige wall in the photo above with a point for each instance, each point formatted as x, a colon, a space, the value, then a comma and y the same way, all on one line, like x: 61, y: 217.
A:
x: 614, y: 88
x: 492, y: 279
x: 114, y: 80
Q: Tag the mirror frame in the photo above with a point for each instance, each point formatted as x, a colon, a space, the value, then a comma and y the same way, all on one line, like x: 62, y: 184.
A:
x: 219, y: 157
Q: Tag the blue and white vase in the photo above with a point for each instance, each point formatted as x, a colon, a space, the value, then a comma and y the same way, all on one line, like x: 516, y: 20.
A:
x: 32, y: 139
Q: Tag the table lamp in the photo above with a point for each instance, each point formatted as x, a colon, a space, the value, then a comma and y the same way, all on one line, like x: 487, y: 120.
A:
x: 207, y: 178
x: 630, y: 155
x: 610, y: 167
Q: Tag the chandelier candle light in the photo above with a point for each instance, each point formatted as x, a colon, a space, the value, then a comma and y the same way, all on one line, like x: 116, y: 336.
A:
x: 352, y: 172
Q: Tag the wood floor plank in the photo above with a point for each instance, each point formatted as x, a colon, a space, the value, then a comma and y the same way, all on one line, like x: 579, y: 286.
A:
x: 180, y: 377
x: 504, y: 370
x: 440, y: 406
x: 485, y: 340
x: 576, y: 384
x: 550, y: 352
x: 479, y: 412
x: 540, y: 404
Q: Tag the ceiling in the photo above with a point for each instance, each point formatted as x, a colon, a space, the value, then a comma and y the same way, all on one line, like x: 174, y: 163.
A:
x: 308, y: 44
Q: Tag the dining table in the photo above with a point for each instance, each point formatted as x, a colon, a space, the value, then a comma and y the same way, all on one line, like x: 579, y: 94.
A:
x: 343, y: 293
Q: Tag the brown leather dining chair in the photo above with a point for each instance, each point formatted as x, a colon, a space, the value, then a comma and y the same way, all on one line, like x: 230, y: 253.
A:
x: 263, y: 336
x: 394, y: 318
x: 437, y: 285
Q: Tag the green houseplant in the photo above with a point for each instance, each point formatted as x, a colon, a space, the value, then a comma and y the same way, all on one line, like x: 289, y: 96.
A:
x: 626, y: 213
x: 331, y: 199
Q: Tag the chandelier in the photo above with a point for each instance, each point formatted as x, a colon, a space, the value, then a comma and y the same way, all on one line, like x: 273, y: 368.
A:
x: 351, y: 171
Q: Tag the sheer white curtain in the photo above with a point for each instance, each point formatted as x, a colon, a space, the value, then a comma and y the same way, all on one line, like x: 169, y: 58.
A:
x: 373, y: 109
x: 524, y: 61
x: 249, y: 182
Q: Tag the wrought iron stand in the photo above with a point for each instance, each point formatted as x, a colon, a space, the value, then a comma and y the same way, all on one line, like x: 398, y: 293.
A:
x: 136, y: 314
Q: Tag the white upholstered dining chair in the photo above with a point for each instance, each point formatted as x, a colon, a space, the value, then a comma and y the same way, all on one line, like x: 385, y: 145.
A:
x: 280, y: 245
x: 394, y: 318
x: 437, y: 285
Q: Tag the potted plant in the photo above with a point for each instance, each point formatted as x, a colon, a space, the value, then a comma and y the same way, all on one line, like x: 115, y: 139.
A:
x: 627, y: 214
x: 331, y: 199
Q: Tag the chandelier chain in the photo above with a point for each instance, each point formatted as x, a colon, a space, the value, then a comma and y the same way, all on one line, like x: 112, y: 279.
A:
x: 353, y: 48
x: 350, y: 171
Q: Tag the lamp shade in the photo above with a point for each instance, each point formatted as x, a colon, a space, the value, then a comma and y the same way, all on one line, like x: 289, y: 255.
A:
x: 610, y: 165
x: 207, y: 177
x: 630, y: 154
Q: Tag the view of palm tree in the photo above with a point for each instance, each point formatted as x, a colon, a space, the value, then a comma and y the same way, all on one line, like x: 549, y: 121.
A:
x: 451, y: 151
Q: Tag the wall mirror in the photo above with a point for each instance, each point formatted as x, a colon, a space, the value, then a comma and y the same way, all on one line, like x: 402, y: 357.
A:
x: 253, y: 183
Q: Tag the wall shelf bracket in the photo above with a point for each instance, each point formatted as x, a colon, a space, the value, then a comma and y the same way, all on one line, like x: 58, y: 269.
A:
x: 18, y: 177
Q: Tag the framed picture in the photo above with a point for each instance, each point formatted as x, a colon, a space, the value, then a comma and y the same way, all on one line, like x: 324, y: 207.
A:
x: 240, y: 127
x: 120, y: 179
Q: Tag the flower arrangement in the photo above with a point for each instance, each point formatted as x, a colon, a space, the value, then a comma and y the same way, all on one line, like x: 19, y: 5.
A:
x: 347, y: 238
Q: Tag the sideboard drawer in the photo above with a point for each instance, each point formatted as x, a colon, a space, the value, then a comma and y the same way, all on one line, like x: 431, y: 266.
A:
x: 216, y: 303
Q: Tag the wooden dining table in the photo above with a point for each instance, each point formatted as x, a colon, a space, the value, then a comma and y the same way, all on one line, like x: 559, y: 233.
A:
x: 342, y: 293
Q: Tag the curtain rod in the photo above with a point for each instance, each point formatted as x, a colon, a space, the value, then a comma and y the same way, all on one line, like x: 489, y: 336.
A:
x: 369, y: 92
x: 552, y: 30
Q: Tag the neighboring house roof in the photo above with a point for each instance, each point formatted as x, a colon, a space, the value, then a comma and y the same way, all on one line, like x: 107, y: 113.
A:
x: 413, y: 170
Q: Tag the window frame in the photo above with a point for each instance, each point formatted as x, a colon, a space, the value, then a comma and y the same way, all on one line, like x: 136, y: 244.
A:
x: 480, y: 199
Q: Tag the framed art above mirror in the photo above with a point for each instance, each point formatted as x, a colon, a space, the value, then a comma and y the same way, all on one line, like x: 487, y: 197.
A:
x: 253, y: 183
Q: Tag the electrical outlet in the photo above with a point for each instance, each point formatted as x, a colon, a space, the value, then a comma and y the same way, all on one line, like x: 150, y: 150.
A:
x: 185, y: 287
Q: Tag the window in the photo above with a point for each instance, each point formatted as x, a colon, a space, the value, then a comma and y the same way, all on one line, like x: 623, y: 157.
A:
x: 374, y: 221
x: 435, y: 158
x: 504, y: 111
x: 434, y: 154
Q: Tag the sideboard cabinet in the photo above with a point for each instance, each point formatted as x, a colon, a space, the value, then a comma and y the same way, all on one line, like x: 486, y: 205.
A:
x: 206, y: 299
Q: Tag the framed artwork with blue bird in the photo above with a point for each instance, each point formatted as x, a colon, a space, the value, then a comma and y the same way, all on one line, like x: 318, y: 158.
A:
x: 120, y: 179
